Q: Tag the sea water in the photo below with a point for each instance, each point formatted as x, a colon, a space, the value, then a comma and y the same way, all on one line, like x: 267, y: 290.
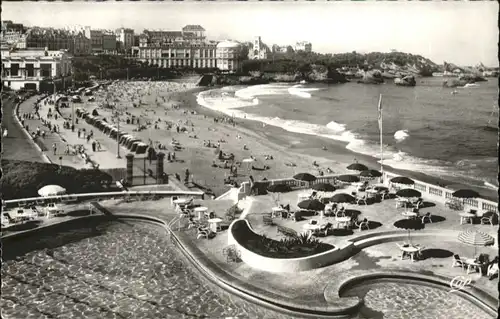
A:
x: 425, y: 128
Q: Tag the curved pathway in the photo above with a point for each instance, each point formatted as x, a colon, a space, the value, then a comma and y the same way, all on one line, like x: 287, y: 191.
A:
x: 17, y: 145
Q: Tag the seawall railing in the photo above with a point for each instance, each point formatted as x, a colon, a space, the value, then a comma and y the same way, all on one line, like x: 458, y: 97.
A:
x: 429, y: 191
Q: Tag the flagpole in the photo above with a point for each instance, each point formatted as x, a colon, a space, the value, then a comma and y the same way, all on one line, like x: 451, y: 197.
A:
x: 381, y: 139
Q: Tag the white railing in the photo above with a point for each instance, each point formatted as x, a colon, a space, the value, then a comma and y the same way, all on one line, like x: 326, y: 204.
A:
x: 86, y: 196
x: 434, y: 192
x: 442, y: 194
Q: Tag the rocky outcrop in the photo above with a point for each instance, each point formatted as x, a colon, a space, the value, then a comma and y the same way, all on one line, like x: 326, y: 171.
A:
x: 405, y: 81
x: 372, y: 77
x: 471, y: 78
x: 451, y: 83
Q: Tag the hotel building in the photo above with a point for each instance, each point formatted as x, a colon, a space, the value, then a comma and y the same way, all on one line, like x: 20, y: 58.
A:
x: 124, y: 39
x: 35, y: 68
x: 303, y: 46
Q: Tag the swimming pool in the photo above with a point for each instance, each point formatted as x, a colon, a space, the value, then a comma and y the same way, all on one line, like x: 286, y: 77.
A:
x: 92, y: 268
x: 400, y: 298
x: 119, y: 269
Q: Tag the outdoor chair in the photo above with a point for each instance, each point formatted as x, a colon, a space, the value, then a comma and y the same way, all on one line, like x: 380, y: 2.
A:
x: 361, y: 200
x: 192, y: 223
x: 40, y: 202
x: 203, y: 232
x: 428, y: 217
x: 457, y: 261
x: 267, y: 219
x: 9, y: 218
x: 488, y: 218
x: 492, y: 270
x: 362, y: 223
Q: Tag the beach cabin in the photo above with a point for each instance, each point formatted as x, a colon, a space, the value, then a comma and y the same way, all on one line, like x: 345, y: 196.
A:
x: 124, y: 138
x: 141, y: 148
x: 131, y: 142
x: 113, y: 133
x: 133, y: 146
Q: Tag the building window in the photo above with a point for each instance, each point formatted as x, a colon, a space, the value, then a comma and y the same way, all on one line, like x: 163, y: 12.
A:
x: 14, y: 69
x: 30, y: 70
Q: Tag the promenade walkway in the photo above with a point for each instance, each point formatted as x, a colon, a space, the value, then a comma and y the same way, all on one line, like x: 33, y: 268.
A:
x: 17, y: 145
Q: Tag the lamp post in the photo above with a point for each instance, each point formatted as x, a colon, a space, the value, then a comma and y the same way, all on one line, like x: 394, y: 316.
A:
x: 117, y: 119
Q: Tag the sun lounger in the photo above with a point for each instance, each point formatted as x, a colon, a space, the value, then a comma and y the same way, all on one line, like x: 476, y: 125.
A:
x: 457, y: 261
x: 362, y: 223
x: 488, y: 218
x: 428, y: 217
x: 203, y: 232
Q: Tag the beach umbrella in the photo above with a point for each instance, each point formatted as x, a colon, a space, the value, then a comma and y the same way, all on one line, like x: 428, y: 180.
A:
x: 357, y: 167
x: 51, y: 190
x: 370, y: 173
x: 402, y: 180
x: 348, y: 178
x: 324, y: 187
x: 465, y: 193
x: 409, y: 224
x: 305, y: 177
x: 311, y: 204
x: 408, y: 193
x: 248, y: 161
x: 342, y: 198
x: 475, y: 238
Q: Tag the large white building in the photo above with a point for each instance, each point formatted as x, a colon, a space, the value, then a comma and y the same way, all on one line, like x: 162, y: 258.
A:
x: 32, y: 68
x: 124, y: 38
x: 178, y: 55
x: 229, y: 57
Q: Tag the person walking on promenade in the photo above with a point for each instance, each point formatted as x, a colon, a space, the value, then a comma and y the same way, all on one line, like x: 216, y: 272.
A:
x: 72, y: 127
x: 93, y: 146
x: 54, y: 148
x: 79, y: 132
x: 98, y: 146
x: 88, y: 138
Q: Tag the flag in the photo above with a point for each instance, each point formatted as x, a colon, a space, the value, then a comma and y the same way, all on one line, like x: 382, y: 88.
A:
x: 380, y: 113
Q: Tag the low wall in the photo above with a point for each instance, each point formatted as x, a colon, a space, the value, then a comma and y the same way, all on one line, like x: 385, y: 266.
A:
x: 287, y: 264
x: 104, y: 195
x: 441, y: 194
x: 429, y: 191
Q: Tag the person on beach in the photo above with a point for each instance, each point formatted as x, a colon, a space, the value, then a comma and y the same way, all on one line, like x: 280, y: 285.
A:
x: 78, y: 133
x: 54, y: 148
x: 94, y: 146
x: 88, y: 138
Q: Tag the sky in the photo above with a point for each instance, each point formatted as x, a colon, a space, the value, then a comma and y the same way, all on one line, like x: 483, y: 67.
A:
x: 465, y: 33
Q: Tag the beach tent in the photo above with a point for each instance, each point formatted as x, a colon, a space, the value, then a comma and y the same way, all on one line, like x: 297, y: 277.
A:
x: 141, y: 148
x: 131, y: 142
x: 123, y: 138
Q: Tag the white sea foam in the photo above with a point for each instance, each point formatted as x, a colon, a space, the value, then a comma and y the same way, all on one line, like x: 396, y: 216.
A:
x: 401, y: 135
x: 230, y: 105
x: 299, y: 90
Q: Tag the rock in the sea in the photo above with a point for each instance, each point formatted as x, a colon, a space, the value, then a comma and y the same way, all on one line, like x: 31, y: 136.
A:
x: 471, y: 78
x: 372, y: 77
x: 452, y: 83
x: 406, y: 81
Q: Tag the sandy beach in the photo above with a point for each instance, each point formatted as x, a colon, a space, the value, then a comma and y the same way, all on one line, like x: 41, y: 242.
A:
x: 161, y: 107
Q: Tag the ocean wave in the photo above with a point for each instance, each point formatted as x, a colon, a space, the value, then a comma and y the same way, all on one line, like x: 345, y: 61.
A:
x: 230, y: 105
x: 300, y: 91
x: 401, y: 135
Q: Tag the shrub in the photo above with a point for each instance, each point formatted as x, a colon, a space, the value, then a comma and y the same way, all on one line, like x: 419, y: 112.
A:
x: 300, y: 246
x: 23, y: 179
x: 233, y: 211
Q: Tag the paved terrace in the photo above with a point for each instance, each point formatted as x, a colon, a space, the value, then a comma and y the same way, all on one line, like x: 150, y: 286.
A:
x: 311, y: 285
x: 314, y: 287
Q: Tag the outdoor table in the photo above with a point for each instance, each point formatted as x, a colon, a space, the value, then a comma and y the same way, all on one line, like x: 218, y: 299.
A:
x: 303, y: 196
x: 215, y: 224
x: 401, y: 202
x: 409, y: 214
x: 180, y: 201
x: 343, y: 221
x: 466, y: 217
x: 277, y: 212
x: 358, y: 184
x: 410, y: 250
x: 310, y: 228
x: 473, y: 264
x: 201, y: 210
